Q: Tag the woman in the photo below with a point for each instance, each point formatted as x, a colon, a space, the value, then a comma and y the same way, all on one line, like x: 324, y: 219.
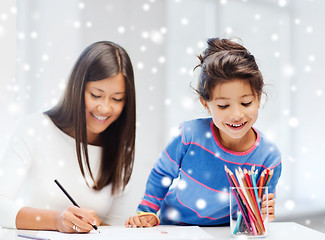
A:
x: 86, y: 142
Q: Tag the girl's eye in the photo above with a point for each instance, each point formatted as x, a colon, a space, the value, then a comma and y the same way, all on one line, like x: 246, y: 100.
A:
x: 95, y: 96
x: 223, y: 106
x: 246, y: 104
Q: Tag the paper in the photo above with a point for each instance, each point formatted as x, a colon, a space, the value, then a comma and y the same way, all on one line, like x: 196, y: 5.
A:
x: 122, y: 233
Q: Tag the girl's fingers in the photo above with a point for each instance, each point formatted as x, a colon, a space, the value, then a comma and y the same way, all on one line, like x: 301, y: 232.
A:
x: 144, y: 222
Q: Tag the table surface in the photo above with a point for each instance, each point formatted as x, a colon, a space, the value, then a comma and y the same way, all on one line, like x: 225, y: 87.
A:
x: 277, y: 231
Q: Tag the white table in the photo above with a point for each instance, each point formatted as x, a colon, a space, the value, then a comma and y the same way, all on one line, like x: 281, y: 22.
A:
x: 277, y: 231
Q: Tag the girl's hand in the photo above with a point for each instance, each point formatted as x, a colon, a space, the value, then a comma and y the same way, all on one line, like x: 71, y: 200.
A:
x: 77, y: 220
x: 270, y: 207
x: 141, y: 221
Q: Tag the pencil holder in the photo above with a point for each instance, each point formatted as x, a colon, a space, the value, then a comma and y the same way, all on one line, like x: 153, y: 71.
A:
x: 245, y: 212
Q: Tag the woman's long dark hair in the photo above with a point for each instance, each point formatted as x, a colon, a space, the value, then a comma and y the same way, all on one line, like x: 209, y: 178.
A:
x: 98, y: 61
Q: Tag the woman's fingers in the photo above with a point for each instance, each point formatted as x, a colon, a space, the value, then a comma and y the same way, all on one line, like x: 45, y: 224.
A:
x: 76, y: 219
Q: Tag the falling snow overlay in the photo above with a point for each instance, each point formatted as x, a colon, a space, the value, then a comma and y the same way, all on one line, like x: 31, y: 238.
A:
x: 39, y: 47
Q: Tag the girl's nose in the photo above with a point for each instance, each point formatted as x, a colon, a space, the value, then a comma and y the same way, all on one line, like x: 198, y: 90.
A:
x: 237, y: 114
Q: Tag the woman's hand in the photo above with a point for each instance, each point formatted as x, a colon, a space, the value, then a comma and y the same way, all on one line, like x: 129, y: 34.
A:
x: 270, y: 207
x: 141, y: 221
x: 77, y: 220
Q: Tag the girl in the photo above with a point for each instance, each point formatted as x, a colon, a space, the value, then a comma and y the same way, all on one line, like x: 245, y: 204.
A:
x: 86, y: 142
x: 230, y: 89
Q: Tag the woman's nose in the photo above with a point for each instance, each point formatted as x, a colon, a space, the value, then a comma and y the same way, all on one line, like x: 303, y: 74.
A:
x: 106, y: 107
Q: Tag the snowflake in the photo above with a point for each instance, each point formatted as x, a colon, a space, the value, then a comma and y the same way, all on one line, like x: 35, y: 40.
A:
x: 31, y: 132
x: 311, y: 58
x: 4, y: 17
x: 184, y: 21
x: 33, y: 34
x: 288, y: 71
x: 166, y: 181
x: 154, y: 70
x: 208, y: 135
x: 201, y: 203
x: 187, y: 103
x: 162, y: 59
x: 163, y: 30
x: 297, y: 21
x: 26, y: 67
x: 156, y: 37
x: 282, y: 3
x: 293, y: 122
x: 45, y: 57
x: 228, y: 30
x: 121, y: 29
x: 174, y: 214
x: 275, y: 37
x: 290, y: 204
x: 168, y: 101
x: 145, y: 34
x: 146, y: 7
x: 309, y: 29
x: 81, y: 5
x: 257, y: 17
x: 61, y: 163
x: 89, y: 24
x: 223, y: 197
x: 77, y: 24
x: 189, y: 51
x: 140, y: 65
x: 319, y: 92
x: 182, y: 184
x: 223, y: 2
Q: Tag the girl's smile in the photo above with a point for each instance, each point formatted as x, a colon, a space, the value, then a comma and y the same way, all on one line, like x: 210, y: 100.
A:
x: 236, y: 126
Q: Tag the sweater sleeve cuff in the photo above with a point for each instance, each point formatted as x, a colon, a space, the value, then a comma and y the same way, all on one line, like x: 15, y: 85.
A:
x: 149, y: 213
x: 8, y: 213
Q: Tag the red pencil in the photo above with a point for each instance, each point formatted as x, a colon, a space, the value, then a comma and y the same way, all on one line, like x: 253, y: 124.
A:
x: 260, y: 185
x: 269, y: 177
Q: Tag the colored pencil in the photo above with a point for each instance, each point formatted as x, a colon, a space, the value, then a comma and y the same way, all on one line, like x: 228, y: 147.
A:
x: 240, y: 204
x: 71, y: 199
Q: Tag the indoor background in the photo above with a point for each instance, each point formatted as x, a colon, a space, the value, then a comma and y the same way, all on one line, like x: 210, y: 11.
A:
x: 41, y: 39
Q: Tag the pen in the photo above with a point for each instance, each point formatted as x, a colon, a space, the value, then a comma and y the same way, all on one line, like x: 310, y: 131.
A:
x: 71, y: 199
x: 31, y: 237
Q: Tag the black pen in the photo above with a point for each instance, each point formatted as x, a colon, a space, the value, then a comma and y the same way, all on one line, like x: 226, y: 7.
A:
x: 31, y: 237
x: 71, y: 199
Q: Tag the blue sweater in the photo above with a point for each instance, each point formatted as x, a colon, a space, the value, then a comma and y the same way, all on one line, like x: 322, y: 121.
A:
x: 194, y: 162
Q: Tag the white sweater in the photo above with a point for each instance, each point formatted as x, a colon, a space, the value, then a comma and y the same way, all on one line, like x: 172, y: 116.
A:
x: 39, y: 153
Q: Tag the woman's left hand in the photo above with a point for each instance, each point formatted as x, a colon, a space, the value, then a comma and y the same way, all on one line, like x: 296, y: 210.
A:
x: 270, y: 207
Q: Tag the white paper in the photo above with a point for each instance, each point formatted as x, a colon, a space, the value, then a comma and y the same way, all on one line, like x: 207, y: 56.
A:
x: 122, y: 233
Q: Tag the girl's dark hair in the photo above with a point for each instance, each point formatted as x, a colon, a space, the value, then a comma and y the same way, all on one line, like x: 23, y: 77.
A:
x: 98, y: 61
x: 223, y: 61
